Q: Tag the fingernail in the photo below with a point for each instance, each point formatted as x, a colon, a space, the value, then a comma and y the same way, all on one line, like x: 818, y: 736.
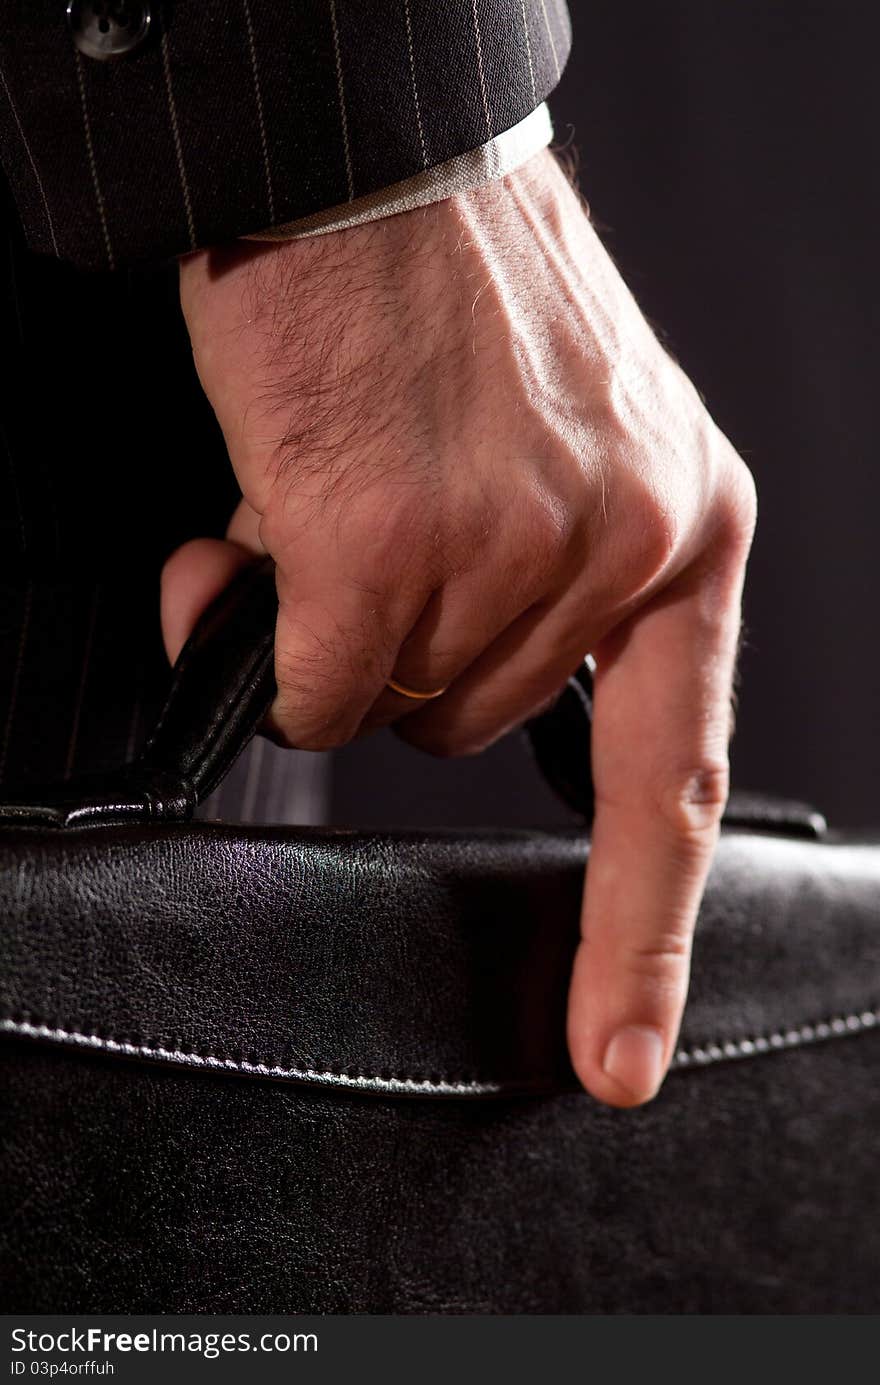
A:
x: 634, y: 1058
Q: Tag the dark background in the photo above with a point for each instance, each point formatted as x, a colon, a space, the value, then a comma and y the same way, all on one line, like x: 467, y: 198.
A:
x: 729, y: 152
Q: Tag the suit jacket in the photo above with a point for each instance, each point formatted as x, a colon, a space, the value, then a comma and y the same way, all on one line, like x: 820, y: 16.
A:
x: 206, y: 119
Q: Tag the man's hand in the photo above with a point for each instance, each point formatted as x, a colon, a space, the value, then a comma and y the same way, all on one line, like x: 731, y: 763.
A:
x: 473, y: 463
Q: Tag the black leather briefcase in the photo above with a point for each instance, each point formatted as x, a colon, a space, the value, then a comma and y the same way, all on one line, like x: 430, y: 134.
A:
x: 250, y: 1070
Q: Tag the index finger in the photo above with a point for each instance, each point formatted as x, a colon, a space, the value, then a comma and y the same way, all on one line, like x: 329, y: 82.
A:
x: 660, y: 731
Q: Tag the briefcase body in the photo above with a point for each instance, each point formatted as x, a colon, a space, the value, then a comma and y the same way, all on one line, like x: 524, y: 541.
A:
x: 275, y: 1071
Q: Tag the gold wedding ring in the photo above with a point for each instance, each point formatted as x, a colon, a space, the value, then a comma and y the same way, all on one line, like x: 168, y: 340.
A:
x: 414, y: 692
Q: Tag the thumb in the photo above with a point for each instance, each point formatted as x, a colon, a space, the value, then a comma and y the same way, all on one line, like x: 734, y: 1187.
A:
x: 192, y: 577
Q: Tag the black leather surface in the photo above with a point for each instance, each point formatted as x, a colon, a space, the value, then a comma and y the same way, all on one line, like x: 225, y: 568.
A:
x: 745, y: 1187
x: 208, y: 1030
x: 399, y: 962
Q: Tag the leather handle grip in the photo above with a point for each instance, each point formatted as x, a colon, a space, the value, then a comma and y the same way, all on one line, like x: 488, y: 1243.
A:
x: 221, y: 689
x: 224, y: 683
x: 222, y: 686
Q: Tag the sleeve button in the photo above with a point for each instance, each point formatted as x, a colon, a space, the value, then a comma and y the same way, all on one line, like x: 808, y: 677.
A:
x: 105, y: 29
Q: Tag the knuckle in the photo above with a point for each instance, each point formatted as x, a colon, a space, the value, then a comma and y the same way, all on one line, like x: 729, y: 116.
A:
x: 662, y: 536
x: 546, y: 528
x: 743, y: 502
x: 692, y: 803
x: 654, y: 539
x: 733, y: 516
x: 625, y: 535
x: 377, y: 523
x: 468, y: 526
x: 390, y: 526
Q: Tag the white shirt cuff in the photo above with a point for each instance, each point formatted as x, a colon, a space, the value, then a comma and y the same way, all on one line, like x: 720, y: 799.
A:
x: 502, y: 155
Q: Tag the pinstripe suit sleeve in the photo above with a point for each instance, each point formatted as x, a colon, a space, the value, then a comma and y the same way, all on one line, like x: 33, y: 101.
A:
x: 238, y: 114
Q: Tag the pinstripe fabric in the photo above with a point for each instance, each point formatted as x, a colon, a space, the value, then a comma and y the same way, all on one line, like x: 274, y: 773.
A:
x: 50, y: 225
x: 552, y: 32
x: 496, y: 158
x: 528, y: 42
x: 417, y: 105
x: 481, y: 72
x: 93, y: 166
x: 258, y: 100
x: 236, y: 115
x: 178, y: 144
x: 343, y: 105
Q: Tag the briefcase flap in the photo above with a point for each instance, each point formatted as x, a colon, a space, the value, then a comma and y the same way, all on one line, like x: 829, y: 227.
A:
x: 402, y: 964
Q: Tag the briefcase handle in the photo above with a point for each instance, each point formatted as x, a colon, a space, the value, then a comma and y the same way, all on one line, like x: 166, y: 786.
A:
x: 224, y: 684
x: 222, y: 687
